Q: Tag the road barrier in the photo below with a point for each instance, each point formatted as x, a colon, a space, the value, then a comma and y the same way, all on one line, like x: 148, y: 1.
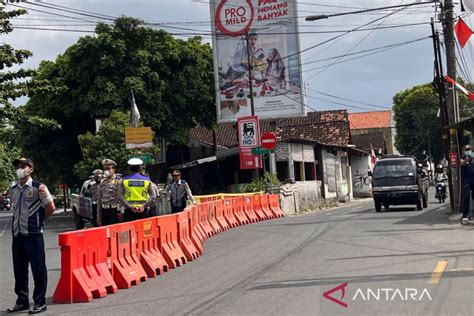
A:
x: 99, y: 261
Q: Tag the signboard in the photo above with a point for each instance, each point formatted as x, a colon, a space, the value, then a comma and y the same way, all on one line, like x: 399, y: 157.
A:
x: 249, y: 137
x: 146, y: 158
x: 260, y: 151
x: 138, y: 137
x: 270, y: 29
x: 269, y: 141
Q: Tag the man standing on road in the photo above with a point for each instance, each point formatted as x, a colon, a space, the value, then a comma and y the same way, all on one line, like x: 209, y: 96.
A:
x: 32, y: 205
x: 178, y: 193
x: 94, y: 191
x: 137, y: 192
x: 467, y: 168
x: 109, y: 200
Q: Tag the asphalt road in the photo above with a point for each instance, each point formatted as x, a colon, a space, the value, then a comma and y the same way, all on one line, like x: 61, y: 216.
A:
x: 284, y: 266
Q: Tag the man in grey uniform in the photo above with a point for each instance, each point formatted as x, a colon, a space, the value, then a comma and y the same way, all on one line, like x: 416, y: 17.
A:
x: 109, y: 199
x: 178, y: 193
x: 94, y: 191
x: 32, y: 204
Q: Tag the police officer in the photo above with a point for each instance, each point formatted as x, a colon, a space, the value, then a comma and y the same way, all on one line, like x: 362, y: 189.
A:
x: 32, y: 204
x: 137, y: 192
x: 109, y: 200
x: 94, y: 191
x: 178, y: 193
x: 467, y: 169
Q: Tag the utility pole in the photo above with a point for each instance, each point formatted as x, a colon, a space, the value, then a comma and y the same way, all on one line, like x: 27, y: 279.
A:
x: 447, y: 13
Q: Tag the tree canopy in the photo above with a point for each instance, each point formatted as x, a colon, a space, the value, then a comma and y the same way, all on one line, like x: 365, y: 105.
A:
x: 172, y: 80
x: 415, y: 113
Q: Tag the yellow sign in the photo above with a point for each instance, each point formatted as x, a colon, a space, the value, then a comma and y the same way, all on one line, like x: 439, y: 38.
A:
x: 147, y: 229
x: 138, y: 137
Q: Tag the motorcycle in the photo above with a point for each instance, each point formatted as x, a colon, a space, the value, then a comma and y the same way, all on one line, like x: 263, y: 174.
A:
x: 5, y: 203
x: 440, y: 184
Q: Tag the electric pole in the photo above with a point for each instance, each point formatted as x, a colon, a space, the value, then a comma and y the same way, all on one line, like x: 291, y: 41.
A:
x: 447, y: 13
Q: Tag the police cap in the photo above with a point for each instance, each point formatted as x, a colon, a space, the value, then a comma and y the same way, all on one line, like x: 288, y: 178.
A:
x: 109, y: 162
x: 27, y: 161
x: 135, y: 162
x: 97, y: 172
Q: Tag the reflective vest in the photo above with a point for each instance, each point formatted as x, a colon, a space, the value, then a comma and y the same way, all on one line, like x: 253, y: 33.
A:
x: 136, y: 189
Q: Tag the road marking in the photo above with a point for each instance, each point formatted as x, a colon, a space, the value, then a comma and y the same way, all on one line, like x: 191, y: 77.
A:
x: 438, y: 272
x: 4, y: 228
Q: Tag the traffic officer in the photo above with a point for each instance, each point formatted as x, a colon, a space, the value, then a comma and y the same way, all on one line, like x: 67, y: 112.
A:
x: 109, y: 200
x: 137, y: 192
x: 178, y: 193
x: 32, y: 204
x: 94, y: 191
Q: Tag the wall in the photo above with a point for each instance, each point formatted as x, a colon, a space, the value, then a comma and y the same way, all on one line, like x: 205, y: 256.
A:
x: 361, y: 183
x: 300, y: 196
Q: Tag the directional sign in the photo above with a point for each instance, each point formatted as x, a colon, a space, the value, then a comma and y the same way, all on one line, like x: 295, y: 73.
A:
x: 260, y: 151
x: 269, y: 141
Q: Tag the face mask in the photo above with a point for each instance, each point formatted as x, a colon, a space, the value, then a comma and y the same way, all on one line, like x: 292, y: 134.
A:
x: 106, y: 173
x: 467, y: 153
x: 21, y: 173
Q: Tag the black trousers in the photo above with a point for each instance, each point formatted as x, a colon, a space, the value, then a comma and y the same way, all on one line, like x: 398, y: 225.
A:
x: 109, y: 216
x: 129, y: 216
x: 177, y: 209
x: 94, y: 215
x: 29, y: 250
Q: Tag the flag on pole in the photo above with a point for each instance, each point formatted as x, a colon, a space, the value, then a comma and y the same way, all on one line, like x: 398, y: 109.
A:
x: 373, y: 157
x: 134, y: 114
x: 463, y: 32
x: 460, y: 87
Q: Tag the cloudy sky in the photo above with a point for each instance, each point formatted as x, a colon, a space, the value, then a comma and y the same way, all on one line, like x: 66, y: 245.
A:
x: 366, y: 83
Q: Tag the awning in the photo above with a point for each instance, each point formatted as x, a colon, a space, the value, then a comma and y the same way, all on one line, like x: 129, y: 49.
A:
x: 195, y: 163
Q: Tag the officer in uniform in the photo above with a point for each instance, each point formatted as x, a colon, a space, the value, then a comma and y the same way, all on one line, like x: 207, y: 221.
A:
x: 137, y: 192
x: 32, y: 204
x: 94, y: 191
x: 178, y: 193
x: 109, y: 200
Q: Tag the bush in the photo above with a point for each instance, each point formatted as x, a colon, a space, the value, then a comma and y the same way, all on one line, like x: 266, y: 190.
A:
x: 263, y: 183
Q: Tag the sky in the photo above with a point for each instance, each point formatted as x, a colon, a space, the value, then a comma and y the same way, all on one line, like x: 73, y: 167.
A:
x: 363, y: 84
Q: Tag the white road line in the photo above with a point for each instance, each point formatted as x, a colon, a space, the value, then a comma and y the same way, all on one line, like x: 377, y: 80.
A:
x: 5, y: 228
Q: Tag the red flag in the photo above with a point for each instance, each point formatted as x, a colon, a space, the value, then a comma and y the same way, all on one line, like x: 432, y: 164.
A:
x: 463, y: 32
x: 460, y: 87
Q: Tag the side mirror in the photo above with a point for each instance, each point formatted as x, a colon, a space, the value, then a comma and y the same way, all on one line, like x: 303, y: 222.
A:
x: 369, y: 173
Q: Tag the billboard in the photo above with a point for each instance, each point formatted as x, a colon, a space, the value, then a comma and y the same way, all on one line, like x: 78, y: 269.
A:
x: 261, y: 35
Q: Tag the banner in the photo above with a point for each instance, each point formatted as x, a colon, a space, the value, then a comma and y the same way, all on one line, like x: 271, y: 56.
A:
x: 261, y: 35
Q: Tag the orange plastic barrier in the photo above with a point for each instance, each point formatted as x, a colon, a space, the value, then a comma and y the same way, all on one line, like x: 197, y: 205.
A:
x: 248, y: 209
x: 126, y: 267
x: 274, y: 202
x: 238, y: 207
x: 196, y: 236
x: 257, y: 207
x: 213, y: 217
x: 168, y: 234
x: 229, y: 213
x: 203, y: 210
x: 198, y: 228
x: 148, y: 249
x: 219, y: 206
x: 184, y: 237
x: 84, y: 272
x: 266, y: 206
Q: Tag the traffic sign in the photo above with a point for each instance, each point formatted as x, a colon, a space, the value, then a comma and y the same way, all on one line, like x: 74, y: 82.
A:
x: 269, y: 141
x: 260, y: 151
x: 146, y: 158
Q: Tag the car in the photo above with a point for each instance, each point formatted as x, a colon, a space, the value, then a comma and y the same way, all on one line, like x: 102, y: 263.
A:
x: 81, y: 205
x: 399, y: 180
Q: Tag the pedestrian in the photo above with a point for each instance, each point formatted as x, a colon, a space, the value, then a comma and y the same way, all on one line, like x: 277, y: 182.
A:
x: 467, y: 180
x: 109, y: 200
x: 178, y: 193
x: 137, y: 193
x: 32, y: 205
x: 94, y: 191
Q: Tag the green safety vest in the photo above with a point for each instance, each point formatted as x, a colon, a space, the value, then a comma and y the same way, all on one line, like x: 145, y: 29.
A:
x: 136, y: 191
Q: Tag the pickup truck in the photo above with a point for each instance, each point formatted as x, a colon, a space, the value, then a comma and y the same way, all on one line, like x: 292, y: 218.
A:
x: 81, y: 205
x: 398, y: 180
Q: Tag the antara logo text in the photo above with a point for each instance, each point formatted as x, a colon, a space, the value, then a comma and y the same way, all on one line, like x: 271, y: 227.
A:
x: 338, y: 294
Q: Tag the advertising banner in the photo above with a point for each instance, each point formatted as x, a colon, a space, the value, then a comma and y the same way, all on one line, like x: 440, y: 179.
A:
x: 261, y: 35
x: 249, y: 137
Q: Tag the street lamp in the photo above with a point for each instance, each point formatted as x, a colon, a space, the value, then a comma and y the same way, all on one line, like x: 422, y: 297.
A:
x: 325, y: 16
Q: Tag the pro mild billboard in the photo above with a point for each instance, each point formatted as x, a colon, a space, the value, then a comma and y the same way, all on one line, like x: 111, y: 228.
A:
x: 270, y: 29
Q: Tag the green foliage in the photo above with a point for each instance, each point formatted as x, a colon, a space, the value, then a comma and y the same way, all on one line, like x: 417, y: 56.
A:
x: 172, y: 81
x: 109, y: 142
x: 263, y: 183
x: 415, y: 112
x: 7, y: 172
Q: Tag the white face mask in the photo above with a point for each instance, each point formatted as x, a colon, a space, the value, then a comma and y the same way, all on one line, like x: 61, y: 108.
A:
x: 21, y: 173
x: 106, y: 173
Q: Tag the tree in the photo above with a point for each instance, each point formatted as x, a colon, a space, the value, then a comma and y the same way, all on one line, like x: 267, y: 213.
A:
x: 415, y: 113
x: 172, y: 81
x: 109, y: 142
x: 15, y: 84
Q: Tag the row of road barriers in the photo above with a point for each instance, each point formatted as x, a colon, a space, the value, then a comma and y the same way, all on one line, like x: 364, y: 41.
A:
x: 99, y: 261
